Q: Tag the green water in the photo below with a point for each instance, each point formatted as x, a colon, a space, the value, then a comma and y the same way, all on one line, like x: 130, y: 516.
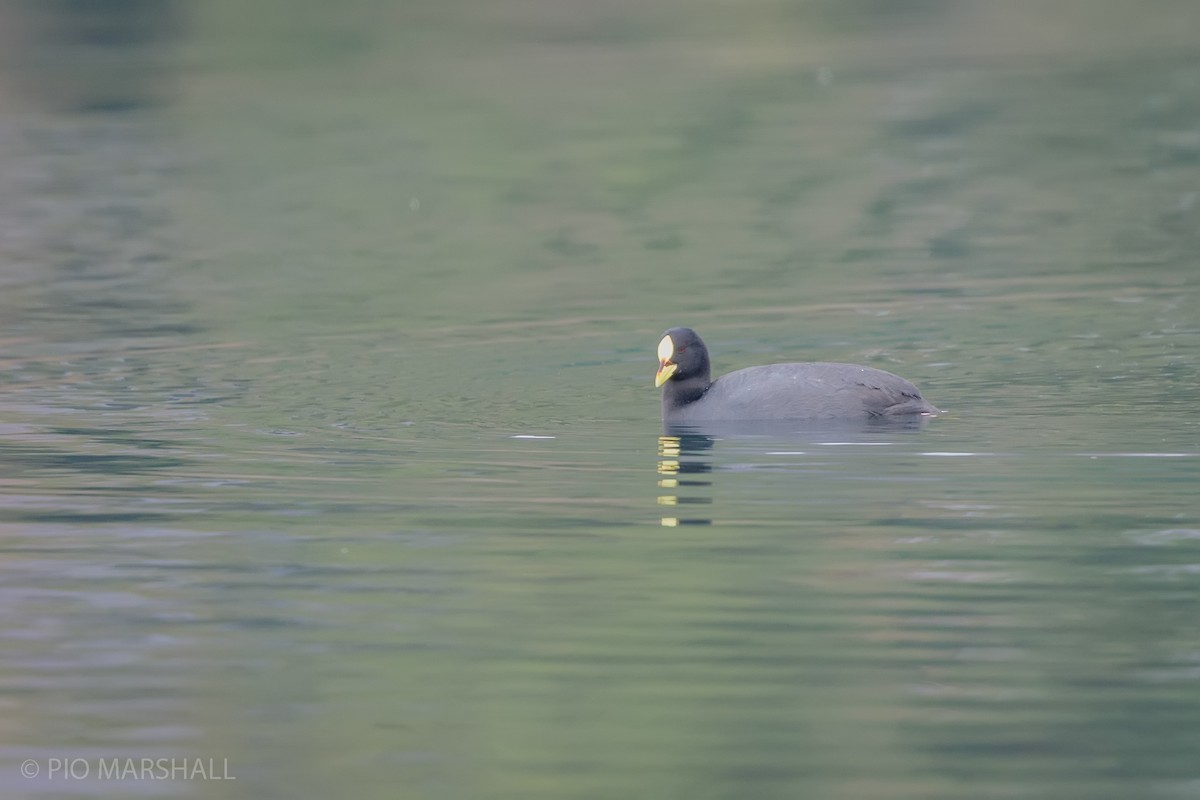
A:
x: 328, y: 442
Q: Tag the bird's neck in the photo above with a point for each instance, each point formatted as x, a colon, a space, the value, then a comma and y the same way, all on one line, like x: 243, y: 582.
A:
x: 679, y: 393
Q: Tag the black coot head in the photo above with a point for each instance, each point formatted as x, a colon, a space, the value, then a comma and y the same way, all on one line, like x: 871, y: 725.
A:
x: 681, y: 356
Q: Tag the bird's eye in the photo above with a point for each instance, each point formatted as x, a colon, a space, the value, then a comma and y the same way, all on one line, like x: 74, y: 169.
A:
x: 680, y: 349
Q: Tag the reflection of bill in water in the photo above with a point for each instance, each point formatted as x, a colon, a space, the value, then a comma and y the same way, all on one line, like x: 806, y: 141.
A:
x: 684, y: 464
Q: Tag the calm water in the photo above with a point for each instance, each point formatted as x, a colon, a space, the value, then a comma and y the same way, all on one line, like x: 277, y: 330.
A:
x: 329, y: 449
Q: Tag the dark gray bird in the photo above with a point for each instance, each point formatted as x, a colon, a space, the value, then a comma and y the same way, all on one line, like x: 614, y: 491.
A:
x: 811, y: 391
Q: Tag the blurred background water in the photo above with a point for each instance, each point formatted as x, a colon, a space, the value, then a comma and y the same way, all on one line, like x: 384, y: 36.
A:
x: 328, y: 444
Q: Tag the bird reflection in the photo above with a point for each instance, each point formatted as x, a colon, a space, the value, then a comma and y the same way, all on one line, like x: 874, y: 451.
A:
x: 684, y: 469
x: 686, y: 452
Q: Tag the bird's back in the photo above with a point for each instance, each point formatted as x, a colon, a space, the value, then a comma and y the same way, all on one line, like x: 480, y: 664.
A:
x: 816, y: 390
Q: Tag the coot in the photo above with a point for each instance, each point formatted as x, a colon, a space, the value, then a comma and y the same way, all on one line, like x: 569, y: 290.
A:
x: 776, y: 392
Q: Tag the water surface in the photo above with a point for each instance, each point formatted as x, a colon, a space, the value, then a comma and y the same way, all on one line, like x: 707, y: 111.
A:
x: 329, y: 446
